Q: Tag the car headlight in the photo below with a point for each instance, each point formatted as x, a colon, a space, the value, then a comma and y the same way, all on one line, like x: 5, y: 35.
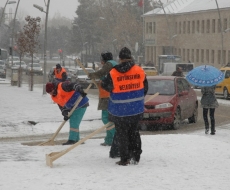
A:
x: 164, y: 105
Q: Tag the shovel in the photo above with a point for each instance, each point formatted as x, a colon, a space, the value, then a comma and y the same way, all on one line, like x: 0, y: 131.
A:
x: 55, y: 155
x: 51, y: 141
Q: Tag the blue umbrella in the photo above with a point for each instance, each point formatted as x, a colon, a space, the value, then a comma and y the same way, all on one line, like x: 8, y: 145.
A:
x: 205, y: 75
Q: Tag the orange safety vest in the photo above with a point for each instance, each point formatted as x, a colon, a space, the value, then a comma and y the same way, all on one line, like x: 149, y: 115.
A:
x: 62, y: 97
x: 59, y: 75
x: 103, y: 93
x: 129, y: 81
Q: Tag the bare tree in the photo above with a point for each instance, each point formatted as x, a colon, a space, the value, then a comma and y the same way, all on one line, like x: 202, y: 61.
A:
x: 31, y: 32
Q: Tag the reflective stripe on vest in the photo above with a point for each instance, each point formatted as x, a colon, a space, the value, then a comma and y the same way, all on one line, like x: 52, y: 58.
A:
x: 127, y: 97
x: 68, y: 99
x: 59, y: 75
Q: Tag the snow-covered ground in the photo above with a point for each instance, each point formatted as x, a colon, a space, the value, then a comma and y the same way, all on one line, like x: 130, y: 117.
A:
x: 169, y: 162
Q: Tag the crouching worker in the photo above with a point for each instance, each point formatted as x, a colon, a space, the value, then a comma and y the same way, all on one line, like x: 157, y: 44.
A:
x: 65, y: 94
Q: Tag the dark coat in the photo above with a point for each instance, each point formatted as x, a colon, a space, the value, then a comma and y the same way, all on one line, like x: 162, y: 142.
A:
x: 107, y: 84
x: 208, y: 99
x: 103, y: 102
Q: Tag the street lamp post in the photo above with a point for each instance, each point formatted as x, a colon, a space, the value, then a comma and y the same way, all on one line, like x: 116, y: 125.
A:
x: 3, y: 12
x: 45, y: 41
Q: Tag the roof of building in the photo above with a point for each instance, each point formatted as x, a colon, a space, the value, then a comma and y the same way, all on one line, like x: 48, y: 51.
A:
x: 186, y: 6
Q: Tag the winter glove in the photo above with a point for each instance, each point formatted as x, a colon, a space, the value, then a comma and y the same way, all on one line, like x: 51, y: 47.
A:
x: 65, y: 114
x: 79, y: 89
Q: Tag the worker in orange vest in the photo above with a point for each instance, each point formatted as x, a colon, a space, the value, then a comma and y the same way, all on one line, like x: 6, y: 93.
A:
x: 65, y: 94
x: 59, y: 73
x: 107, y: 64
x: 128, y: 86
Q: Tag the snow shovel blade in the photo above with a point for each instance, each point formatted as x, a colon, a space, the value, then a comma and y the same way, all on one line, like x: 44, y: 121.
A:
x: 50, y: 158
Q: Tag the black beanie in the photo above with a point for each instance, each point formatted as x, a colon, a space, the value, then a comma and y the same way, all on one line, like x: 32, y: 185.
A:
x: 106, y: 56
x: 125, y: 53
x: 58, y: 66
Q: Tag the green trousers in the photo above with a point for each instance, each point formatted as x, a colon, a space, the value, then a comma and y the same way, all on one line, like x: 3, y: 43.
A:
x: 74, y: 121
x: 109, y: 132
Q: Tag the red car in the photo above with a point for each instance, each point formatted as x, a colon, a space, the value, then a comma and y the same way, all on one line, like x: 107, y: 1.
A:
x: 176, y: 102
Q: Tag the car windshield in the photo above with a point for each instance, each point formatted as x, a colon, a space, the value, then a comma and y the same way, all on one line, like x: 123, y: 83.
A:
x: 164, y: 87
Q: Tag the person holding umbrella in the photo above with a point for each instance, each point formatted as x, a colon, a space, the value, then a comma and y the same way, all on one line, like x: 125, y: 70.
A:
x: 209, y: 103
x: 207, y: 76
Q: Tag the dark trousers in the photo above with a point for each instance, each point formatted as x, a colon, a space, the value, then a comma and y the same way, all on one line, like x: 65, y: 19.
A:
x: 129, y: 140
x: 212, y: 119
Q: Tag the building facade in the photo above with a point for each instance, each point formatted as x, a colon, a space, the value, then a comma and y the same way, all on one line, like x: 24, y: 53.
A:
x: 196, y: 35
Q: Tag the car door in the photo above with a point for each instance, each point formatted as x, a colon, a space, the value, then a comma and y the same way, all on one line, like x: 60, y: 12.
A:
x: 183, y: 98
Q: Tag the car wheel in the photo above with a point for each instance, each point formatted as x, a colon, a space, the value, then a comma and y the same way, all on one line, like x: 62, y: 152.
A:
x: 225, y: 93
x: 193, y: 119
x: 177, y: 120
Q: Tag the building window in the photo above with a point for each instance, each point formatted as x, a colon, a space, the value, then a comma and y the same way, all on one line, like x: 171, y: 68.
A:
x: 188, y: 27
x: 202, y: 56
x: 176, y: 27
x: 208, y: 26
x: 198, y: 26
x: 150, y: 28
x: 228, y: 56
x: 154, y: 27
x: 225, y: 24
x: 202, y: 26
x: 207, y: 55
x: 192, y: 55
x: 224, y: 57
x: 188, y: 55
x: 219, y: 56
x: 184, y: 27
x: 197, y: 56
x: 179, y: 52
x: 193, y: 26
x: 219, y: 28
x: 213, y: 25
x: 213, y: 56
x: 179, y: 27
x: 183, y: 54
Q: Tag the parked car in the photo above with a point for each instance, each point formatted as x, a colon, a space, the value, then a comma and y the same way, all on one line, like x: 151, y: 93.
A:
x: 37, y: 69
x: 14, y: 58
x: 28, y: 59
x: 2, y: 72
x: 176, y: 102
x: 223, y: 88
x: 150, y: 71
x: 71, y: 74
x: 2, y: 63
x: 16, y: 65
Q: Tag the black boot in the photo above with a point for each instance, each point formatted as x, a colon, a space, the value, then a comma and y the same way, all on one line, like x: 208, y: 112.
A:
x: 69, y: 142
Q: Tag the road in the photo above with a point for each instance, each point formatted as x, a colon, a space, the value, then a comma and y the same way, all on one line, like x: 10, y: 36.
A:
x: 221, y: 115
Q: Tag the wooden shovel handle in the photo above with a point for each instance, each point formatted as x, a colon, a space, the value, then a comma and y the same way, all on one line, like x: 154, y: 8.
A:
x: 86, y: 72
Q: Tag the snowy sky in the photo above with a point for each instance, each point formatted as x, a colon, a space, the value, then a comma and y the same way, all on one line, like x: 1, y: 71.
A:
x: 192, y: 161
x: 66, y: 8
